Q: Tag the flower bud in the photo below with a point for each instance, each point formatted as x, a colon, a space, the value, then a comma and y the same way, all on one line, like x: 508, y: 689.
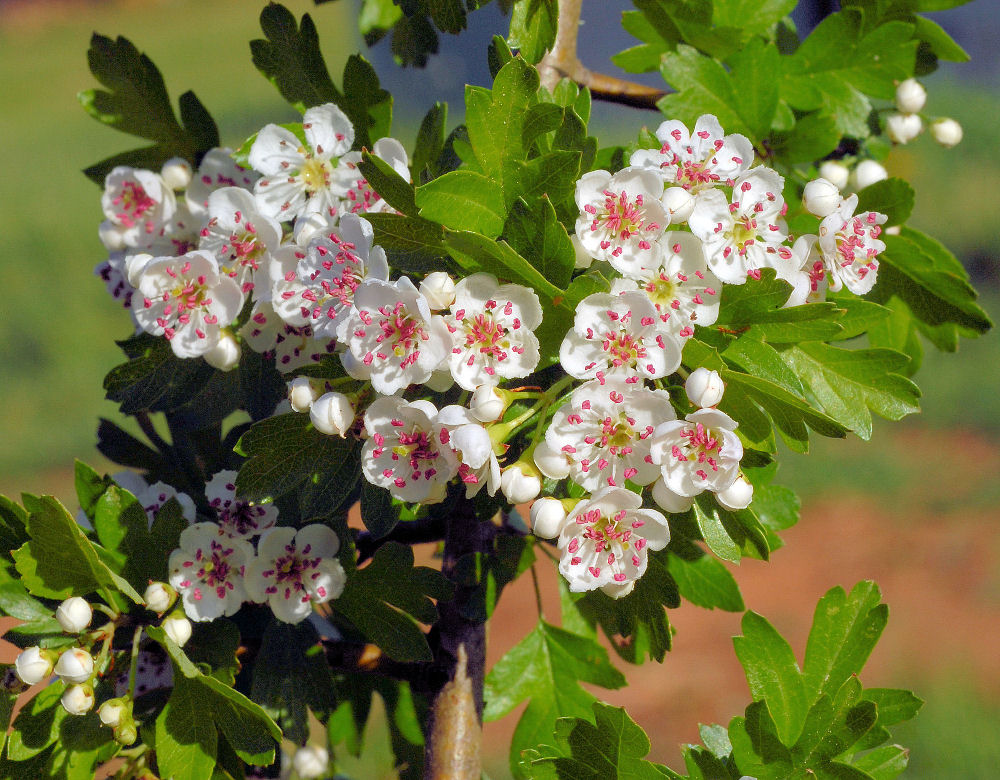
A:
x: 75, y: 665
x: 618, y: 590
x: 113, y: 711
x: 135, y: 265
x: 552, y: 463
x: 301, y: 393
x: 439, y: 290
x: 893, y: 230
x: 520, y: 483
x: 910, y: 96
x: 34, y: 665
x: 78, y: 699
x: 736, y: 496
x: 310, y: 761
x: 225, y: 355
x: 835, y: 172
x: 668, y: 500
x: 903, y: 128
x: 159, y: 597
x: 679, y: 204
x: 332, y: 414
x: 125, y: 735
x: 821, y: 197
x: 867, y: 172
x: 439, y: 381
x: 704, y: 388
x: 487, y: 404
x: 74, y: 615
x: 946, y: 132
x: 176, y: 172
x: 547, y: 515
x: 177, y: 627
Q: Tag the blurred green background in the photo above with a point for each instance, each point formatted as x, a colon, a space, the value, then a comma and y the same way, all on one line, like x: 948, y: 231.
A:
x: 57, y: 325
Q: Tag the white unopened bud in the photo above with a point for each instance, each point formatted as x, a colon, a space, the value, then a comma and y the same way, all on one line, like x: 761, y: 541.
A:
x: 547, y: 516
x: 112, y: 236
x: 112, y: 712
x: 618, y: 590
x: 519, y: 484
x: 736, y: 496
x: 78, y: 699
x: 583, y: 259
x: 821, y: 197
x: 34, y: 665
x: 679, y: 204
x: 486, y: 404
x: 310, y: 761
x: 159, y: 597
x: 552, y: 463
x: 439, y: 290
x: 75, y: 665
x: 867, y: 172
x: 332, y: 414
x: 910, y: 96
x: 439, y: 381
x: 225, y: 355
x: 176, y: 172
x: 74, y: 615
x: 301, y: 394
x: 903, y: 128
x: 177, y: 627
x: 946, y: 132
x: 704, y: 388
x: 668, y: 500
x: 893, y: 230
x: 135, y: 265
x: 835, y: 172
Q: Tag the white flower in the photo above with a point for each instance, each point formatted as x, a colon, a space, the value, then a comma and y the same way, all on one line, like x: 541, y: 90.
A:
x: 207, y: 571
x: 866, y: 173
x: 468, y: 437
x: 153, y: 497
x: 946, y: 132
x: 187, y: 300
x: 237, y: 518
x: 240, y: 237
x: 668, y: 500
x: 492, y: 327
x: 699, y: 160
x: 679, y: 203
x: 225, y: 355
x: 704, y: 388
x: 299, y: 179
x: 332, y: 413
x: 301, y: 393
x: 292, y: 346
x: 408, y: 451
x: 112, y: 712
x: 617, y: 336
x: 698, y: 453
x: 519, y: 484
x: 552, y: 462
x: 903, y: 128
x: 604, y: 540
x: 295, y: 570
x: 159, y: 597
x: 316, y: 287
x: 806, y: 271
x: 682, y: 288
x: 310, y: 761
x: 178, y: 628
x: 34, y: 665
x: 736, y: 496
x: 75, y: 665
x: 910, y: 96
x: 439, y: 289
x: 136, y: 203
x: 821, y: 197
x: 358, y: 196
x: 850, y: 245
x: 745, y: 234
x: 605, y: 432
x: 835, y: 172
x: 547, y: 516
x: 621, y: 216
x: 74, y: 614
x: 486, y: 404
x: 217, y: 170
x: 392, y: 333
x: 78, y: 699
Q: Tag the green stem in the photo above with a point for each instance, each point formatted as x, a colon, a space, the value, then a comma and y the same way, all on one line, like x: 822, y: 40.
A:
x: 538, y: 593
x: 134, y: 661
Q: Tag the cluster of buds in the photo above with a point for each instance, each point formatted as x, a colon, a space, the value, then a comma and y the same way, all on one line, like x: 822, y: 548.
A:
x: 906, y: 123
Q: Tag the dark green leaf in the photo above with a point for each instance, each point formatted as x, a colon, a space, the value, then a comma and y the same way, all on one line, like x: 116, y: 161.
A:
x: 475, y: 252
x: 706, y: 582
x: 463, y: 200
x: 186, y: 740
x: 533, y: 27
x: 121, y: 447
x: 430, y: 143
x: 367, y: 105
x: 412, y: 244
x: 89, y: 487
x: 36, y: 726
x: 379, y: 510
x: 13, y: 525
x: 392, y: 187
x: 448, y: 15
x: 536, y: 233
x: 892, y: 197
x: 817, y: 134
x: 485, y: 575
x: 413, y: 39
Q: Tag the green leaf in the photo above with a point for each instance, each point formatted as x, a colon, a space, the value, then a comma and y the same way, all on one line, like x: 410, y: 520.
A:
x: 715, y: 534
x: 367, y: 105
x: 411, y: 244
x: 475, y: 252
x: 485, y: 575
x: 429, y: 143
x: 706, y: 582
x: 448, y: 15
x: 818, y: 133
x: 773, y: 675
x: 89, y: 487
x: 611, y: 748
x: 832, y: 728
x: 290, y: 58
x: 940, y: 42
x: 536, y: 233
x: 546, y: 667
x: 646, y: 56
x: 286, y: 453
x: 884, y: 763
x: 894, y: 705
x: 844, y: 632
x: 390, y: 186
x: 13, y: 525
x: 533, y: 27
x: 756, y: 69
x: 463, y: 200
x: 36, y: 726
x: 186, y: 740
x: 16, y: 602
x: 754, y: 16
x: 121, y: 447
x: 59, y: 561
x: 386, y: 599
x: 847, y: 383
x: 136, y: 102
x: 892, y: 197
